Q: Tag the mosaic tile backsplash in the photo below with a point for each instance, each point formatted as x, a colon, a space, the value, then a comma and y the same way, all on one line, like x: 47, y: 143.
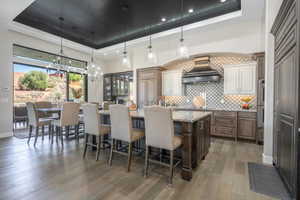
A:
x: 213, y: 93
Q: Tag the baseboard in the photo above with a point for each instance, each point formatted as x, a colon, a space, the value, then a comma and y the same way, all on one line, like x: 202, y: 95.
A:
x: 267, y: 159
x: 6, y: 135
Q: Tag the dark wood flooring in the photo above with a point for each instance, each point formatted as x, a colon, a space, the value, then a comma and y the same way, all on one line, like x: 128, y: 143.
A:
x: 50, y: 172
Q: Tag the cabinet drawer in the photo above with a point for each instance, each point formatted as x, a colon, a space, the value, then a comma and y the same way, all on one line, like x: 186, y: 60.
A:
x: 251, y: 115
x: 225, y: 121
x: 225, y: 114
x: 224, y: 131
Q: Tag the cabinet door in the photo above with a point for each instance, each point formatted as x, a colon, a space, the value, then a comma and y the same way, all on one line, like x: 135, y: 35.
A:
x: 231, y: 80
x: 287, y: 119
x: 172, y: 84
x: 247, y: 128
x: 247, y: 80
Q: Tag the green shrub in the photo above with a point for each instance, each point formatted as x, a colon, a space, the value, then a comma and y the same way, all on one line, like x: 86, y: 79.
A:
x: 75, y: 77
x: 34, y: 80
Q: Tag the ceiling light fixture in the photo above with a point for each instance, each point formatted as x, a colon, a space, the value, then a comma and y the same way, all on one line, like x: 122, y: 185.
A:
x: 93, y: 69
x: 182, y: 49
x: 125, y: 60
x: 163, y: 19
x: 191, y: 10
x: 151, y: 56
x: 223, y: 1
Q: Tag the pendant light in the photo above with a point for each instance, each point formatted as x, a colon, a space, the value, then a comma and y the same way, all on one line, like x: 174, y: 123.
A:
x: 94, y: 71
x: 125, y: 59
x: 182, y: 48
x: 151, y: 55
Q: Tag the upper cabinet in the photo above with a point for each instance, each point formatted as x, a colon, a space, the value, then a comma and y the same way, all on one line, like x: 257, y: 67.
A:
x: 172, y: 83
x: 116, y: 85
x: 240, y: 79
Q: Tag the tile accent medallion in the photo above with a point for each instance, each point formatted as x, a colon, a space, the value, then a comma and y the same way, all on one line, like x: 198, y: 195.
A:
x: 213, y: 93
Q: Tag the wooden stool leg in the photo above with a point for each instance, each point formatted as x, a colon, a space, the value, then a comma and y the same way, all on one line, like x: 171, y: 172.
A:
x: 171, y: 167
x: 146, y: 162
x: 43, y: 132
x: 129, y: 157
x: 98, y: 148
x: 111, y: 151
x: 56, y: 131
x: 85, y: 145
x: 30, y: 133
x: 36, y: 134
x: 61, y: 136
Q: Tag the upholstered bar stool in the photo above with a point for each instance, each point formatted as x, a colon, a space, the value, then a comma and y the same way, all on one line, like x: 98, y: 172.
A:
x: 159, y: 129
x: 93, y: 127
x: 121, y: 130
x: 35, y: 122
x: 68, y: 117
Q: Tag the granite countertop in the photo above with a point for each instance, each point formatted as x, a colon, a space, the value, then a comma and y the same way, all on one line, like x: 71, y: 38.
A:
x: 178, y: 116
x: 191, y: 108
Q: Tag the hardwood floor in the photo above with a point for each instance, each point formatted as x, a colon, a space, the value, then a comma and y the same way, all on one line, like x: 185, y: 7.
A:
x: 48, y: 172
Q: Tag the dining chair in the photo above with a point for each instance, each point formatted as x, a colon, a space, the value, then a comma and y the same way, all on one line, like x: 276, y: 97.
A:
x: 122, y: 130
x: 159, y: 129
x: 45, y: 115
x: 69, y: 116
x: 93, y: 127
x: 36, y: 122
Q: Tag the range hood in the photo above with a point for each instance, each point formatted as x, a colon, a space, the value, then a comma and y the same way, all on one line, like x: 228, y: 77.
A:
x: 201, y: 73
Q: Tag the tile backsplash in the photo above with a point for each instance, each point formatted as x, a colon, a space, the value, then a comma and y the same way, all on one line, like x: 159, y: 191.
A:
x: 213, y: 93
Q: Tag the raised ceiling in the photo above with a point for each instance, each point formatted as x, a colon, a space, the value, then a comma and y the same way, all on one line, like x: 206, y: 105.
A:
x: 116, y: 21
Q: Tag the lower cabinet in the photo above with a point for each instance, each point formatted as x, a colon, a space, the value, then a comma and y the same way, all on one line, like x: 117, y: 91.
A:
x: 247, y: 125
x: 224, y: 124
x: 236, y: 125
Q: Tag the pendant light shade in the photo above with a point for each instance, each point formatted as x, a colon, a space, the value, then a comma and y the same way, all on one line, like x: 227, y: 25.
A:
x: 151, y: 55
x: 94, y: 71
x: 182, y: 50
x: 125, y: 59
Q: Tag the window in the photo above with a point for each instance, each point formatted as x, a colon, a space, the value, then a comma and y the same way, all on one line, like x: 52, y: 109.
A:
x: 35, y: 79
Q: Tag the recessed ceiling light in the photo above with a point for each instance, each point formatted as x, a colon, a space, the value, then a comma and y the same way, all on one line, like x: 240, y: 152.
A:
x: 191, y: 10
x: 163, y: 19
x: 222, y: 1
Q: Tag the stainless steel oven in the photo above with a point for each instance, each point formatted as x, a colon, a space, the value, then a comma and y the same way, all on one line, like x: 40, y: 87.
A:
x: 261, y: 92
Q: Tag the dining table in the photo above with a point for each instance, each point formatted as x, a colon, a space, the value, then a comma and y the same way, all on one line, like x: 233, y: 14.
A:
x: 195, y: 132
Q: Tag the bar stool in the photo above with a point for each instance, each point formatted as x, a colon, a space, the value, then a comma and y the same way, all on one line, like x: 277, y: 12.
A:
x: 121, y: 129
x: 159, y: 129
x: 68, y: 117
x: 35, y: 122
x: 93, y: 126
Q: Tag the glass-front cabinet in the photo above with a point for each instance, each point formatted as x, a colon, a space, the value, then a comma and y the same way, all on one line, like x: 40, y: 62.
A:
x: 117, y: 85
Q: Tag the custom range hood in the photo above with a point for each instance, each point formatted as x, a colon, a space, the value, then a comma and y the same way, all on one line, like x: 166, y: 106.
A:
x: 201, y: 73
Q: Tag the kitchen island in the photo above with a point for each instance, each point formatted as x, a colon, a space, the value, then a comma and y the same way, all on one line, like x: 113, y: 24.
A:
x: 195, y: 130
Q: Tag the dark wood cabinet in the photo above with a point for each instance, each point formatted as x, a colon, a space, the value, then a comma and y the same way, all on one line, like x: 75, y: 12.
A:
x: 286, y: 97
x: 116, y: 85
x: 224, y: 124
x: 149, y: 84
x: 247, y: 125
x: 236, y: 125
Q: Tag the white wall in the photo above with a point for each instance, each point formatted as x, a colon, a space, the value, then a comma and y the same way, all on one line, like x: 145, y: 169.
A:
x: 272, y: 8
x: 234, y: 36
